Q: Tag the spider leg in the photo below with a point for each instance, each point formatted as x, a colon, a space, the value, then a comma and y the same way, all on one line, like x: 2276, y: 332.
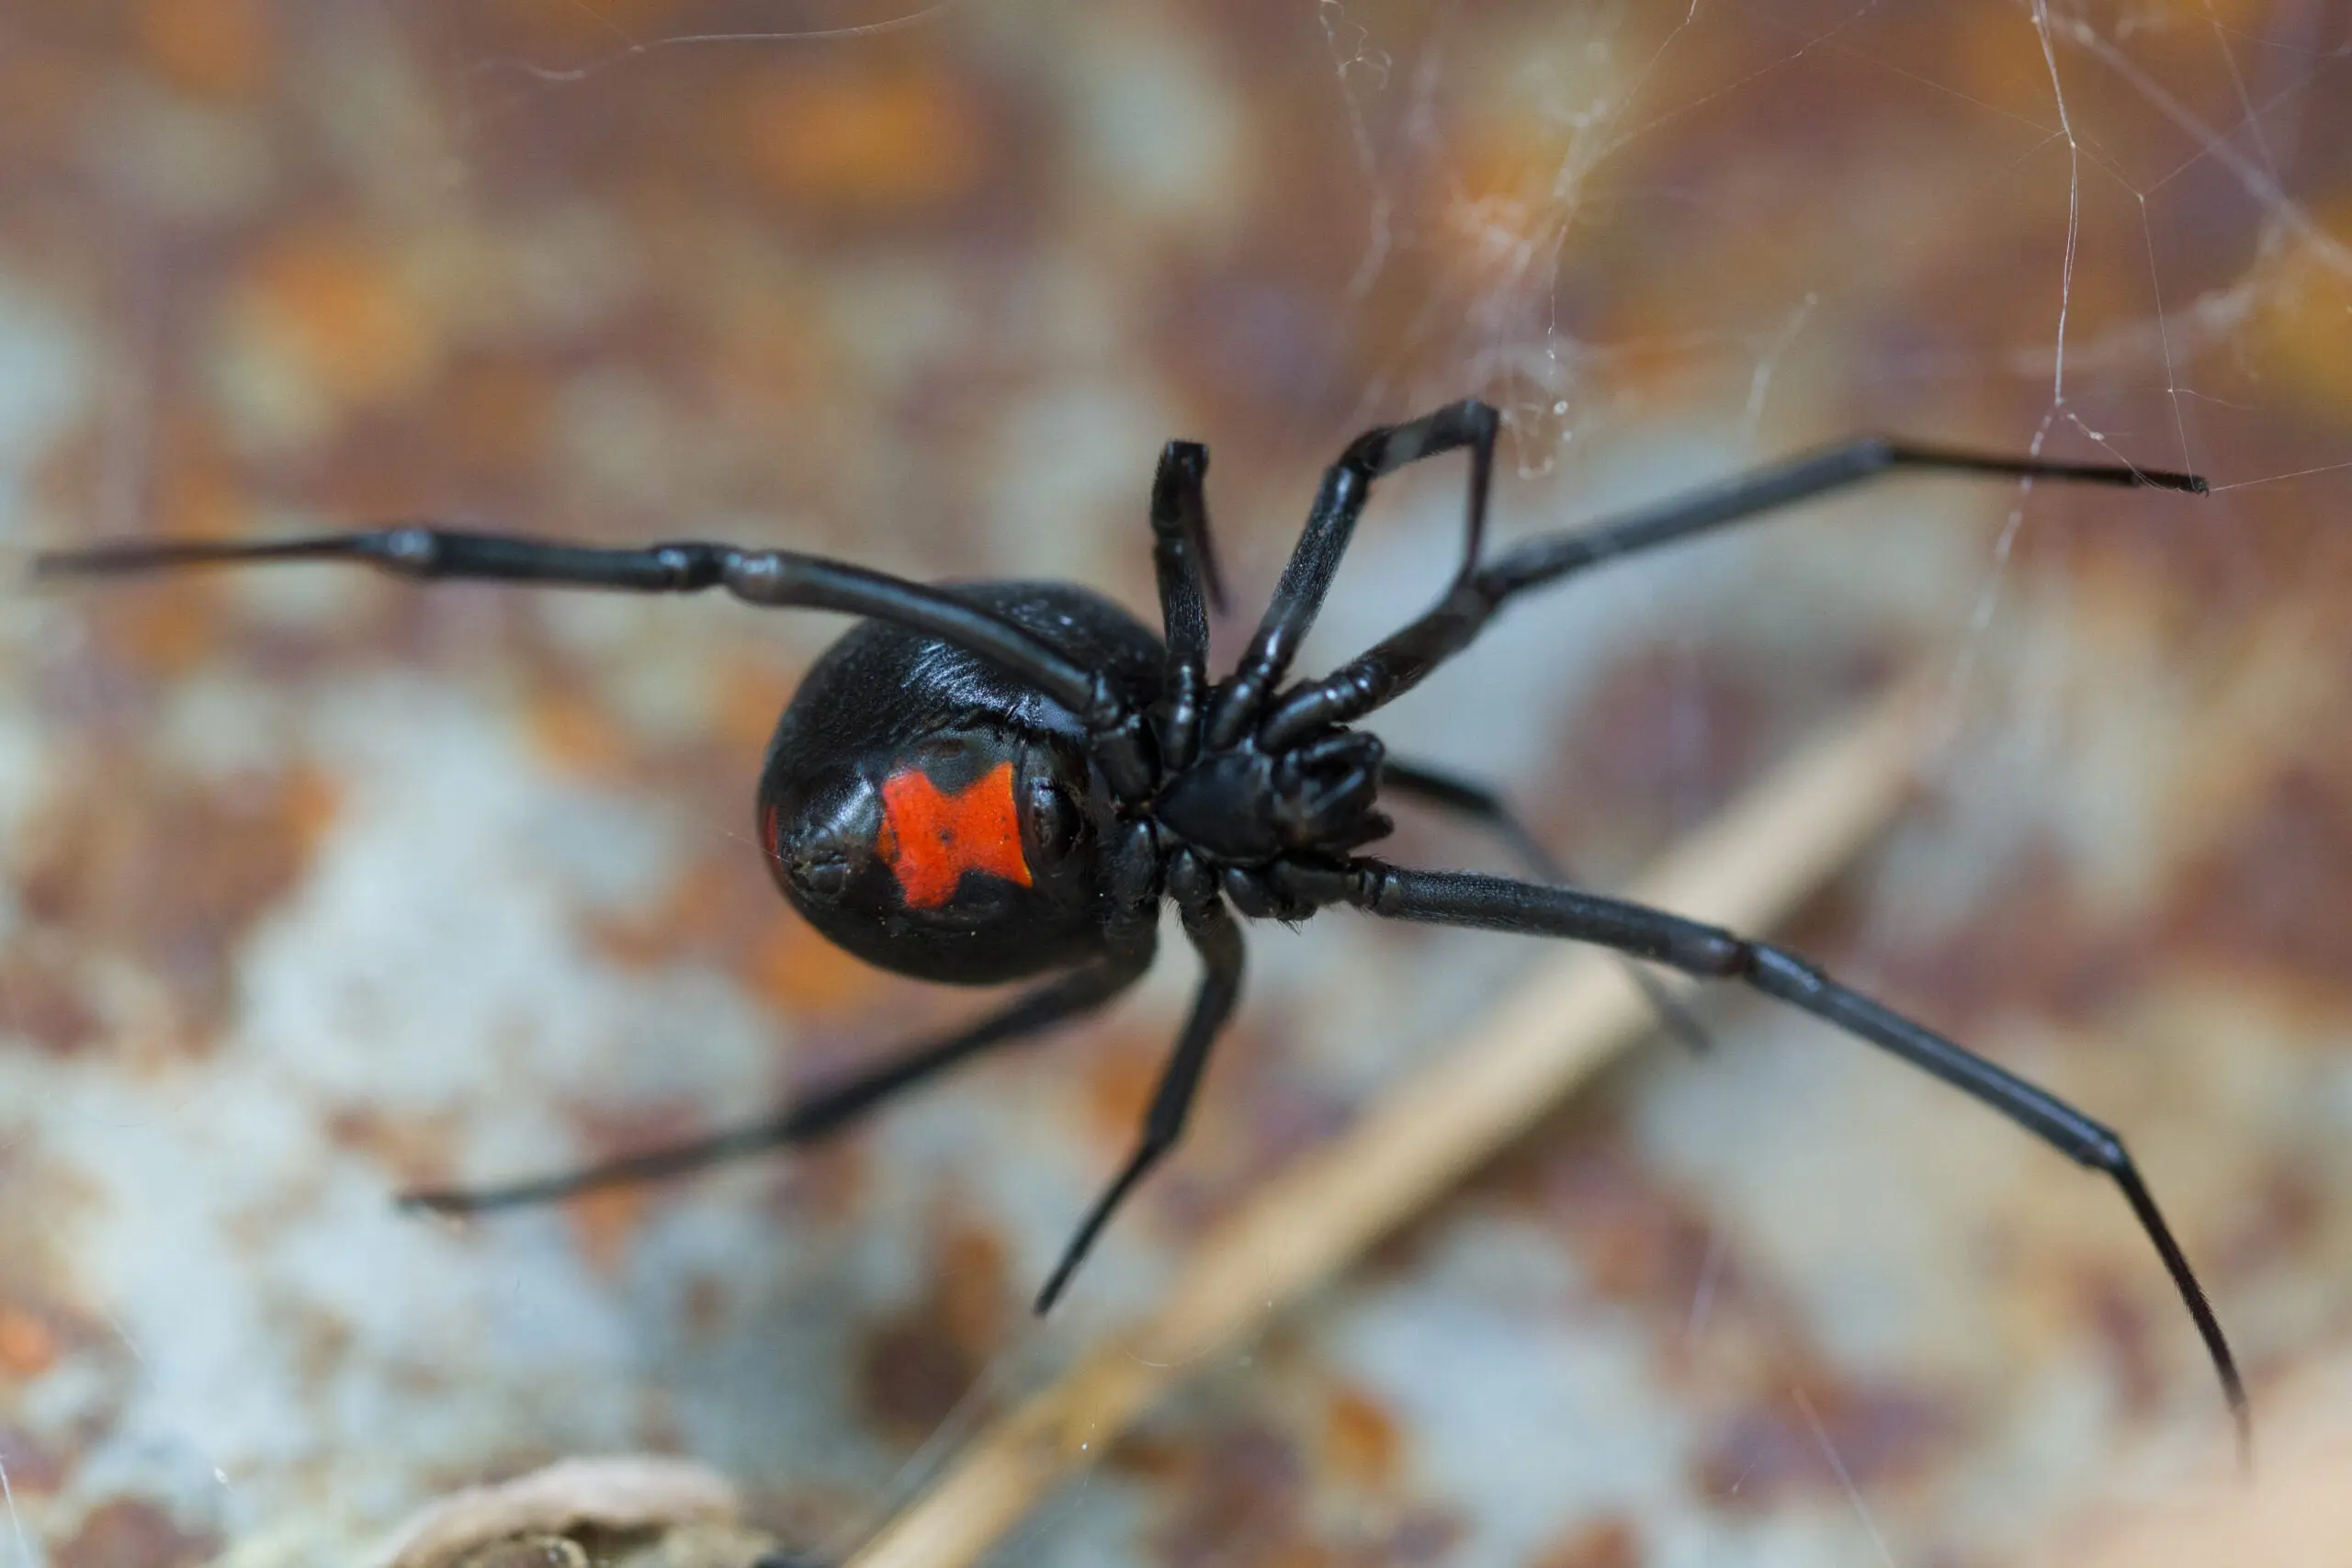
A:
x: 1494, y: 903
x: 1218, y: 938
x: 1330, y: 524
x: 1484, y: 807
x: 1078, y: 992
x: 775, y: 578
x: 1180, y: 527
x: 1189, y: 584
x: 1394, y: 666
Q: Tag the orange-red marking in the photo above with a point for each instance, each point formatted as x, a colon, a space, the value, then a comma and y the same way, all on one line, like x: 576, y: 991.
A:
x: 931, y: 840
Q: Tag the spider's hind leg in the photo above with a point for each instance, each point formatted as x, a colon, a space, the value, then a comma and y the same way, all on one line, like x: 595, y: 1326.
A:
x: 1710, y: 953
x: 825, y: 1113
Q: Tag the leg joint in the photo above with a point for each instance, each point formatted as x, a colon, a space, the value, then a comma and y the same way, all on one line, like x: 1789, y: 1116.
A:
x: 411, y: 550
x: 1712, y: 954
x: 692, y: 566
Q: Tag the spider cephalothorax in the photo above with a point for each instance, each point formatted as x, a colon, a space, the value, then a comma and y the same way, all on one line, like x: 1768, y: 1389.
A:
x: 989, y: 781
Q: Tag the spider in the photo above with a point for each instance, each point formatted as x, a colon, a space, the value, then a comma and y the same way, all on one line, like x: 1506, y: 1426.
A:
x: 985, y: 782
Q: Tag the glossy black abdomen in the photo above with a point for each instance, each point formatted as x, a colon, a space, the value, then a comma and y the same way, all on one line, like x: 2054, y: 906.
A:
x: 937, y: 816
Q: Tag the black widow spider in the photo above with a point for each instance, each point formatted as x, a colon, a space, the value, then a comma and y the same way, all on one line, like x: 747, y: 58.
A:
x: 987, y: 780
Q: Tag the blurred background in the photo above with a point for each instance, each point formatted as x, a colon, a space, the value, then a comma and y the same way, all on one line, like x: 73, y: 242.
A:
x: 318, y: 886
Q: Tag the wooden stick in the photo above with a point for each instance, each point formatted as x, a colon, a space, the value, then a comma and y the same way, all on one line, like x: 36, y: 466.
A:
x: 1746, y: 870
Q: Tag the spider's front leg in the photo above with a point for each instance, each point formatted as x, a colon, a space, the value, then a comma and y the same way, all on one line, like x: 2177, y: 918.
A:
x: 1479, y: 592
x: 1185, y: 564
x: 777, y: 579
x: 1330, y: 525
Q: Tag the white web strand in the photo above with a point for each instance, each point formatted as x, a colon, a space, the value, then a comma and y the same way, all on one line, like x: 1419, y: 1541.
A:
x: 1980, y: 619
x: 2164, y: 334
x: 2281, y: 479
x: 1853, y: 1493
x: 633, y: 50
x: 1759, y: 383
x: 2257, y: 183
x: 1347, y: 59
x: 17, y: 1521
x: 2074, y: 233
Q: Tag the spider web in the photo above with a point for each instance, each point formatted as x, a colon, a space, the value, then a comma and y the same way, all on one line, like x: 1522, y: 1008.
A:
x: 1667, y: 240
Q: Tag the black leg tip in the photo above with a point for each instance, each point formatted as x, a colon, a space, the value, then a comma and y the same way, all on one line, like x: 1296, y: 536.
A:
x: 2241, y: 1418
x: 1082, y: 1244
